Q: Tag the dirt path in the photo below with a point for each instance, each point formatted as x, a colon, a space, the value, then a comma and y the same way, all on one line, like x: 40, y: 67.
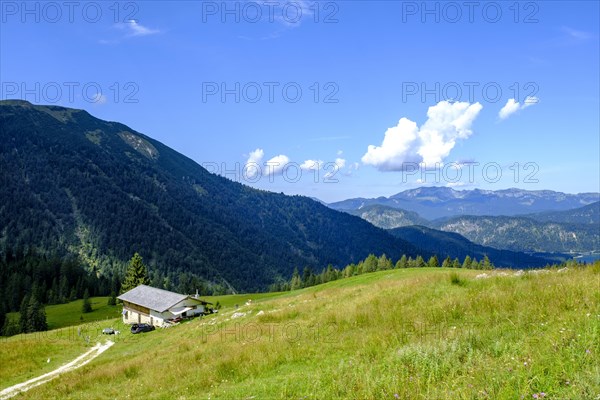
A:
x: 76, y: 363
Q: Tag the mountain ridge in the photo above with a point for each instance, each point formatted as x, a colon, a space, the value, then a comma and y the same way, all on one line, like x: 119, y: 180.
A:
x: 432, y: 202
x: 72, y: 183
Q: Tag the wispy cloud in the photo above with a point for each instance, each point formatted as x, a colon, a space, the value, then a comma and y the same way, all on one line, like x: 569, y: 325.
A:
x: 136, y: 29
x: 99, y: 99
x: 288, y: 15
x: 512, y: 106
x: 576, y: 34
x: 130, y: 29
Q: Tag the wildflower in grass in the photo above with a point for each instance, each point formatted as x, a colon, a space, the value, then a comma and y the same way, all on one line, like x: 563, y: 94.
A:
x: 396, y: 395
x: 588, y: 351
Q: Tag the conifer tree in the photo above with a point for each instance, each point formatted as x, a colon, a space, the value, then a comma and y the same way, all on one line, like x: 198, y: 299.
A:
x: 87, y: 305
x: 467, y: 262
x: 36, y: 316
x: 433, y: 262
x: 137, y: 274
x: 32, y: 316
x: 447, y: 262
x: 112, y: 299
x: 402, y: 262
x: 486, y: 263
x: 370, y: 264
x: 23, y: 314
x: 296, y: 282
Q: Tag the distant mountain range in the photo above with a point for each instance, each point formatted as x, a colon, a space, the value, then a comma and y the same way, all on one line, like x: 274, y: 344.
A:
x: 438, y: 202
x: 572, y: 230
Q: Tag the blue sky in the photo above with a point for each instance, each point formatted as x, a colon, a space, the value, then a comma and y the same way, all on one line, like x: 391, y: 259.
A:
x: 502, y: 87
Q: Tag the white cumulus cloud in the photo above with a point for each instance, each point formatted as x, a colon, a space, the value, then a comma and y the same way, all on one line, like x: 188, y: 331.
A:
x: 277, y: 164
x: 256, y: 167
x: 313, y: 165
x: 447, y: 123
x: 253, y: 165
x: 333, y: 168
x: 512, y: 106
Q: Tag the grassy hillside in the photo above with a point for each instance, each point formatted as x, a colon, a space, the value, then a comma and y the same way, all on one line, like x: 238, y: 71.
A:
x: 409, y: 334
x: 27, y: 356
x: 69, y: 314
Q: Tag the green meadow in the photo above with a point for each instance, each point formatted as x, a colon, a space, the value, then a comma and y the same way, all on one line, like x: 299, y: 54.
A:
x: 398, y: 334
x: 69, y: 314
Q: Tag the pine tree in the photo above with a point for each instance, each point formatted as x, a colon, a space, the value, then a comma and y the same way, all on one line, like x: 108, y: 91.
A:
x: 360, y: 268
x: 306, y: 273
x: 32, y: 316
x: 402, y: 262
x: 370, y: 264
x: 384, y: 263
x: 467, y: 262
x: 296, y: 282
x: 112, y: 300
x: 433, y: 262
x: 349, y: 270
x: 36, y: 316
x: 330, y: 274
x: 420, y: 263
x: 87, y: 305
x: 456, y: 263
x: 63, y: 289
x: 115, y: 284
x: 447, y: 262
x: 137, y: 274
x: 23, y: 314
x: 486, y: 263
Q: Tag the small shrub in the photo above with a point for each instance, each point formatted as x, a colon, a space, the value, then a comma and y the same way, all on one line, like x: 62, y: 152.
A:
x: 455, y: 279
x: 131, y: 371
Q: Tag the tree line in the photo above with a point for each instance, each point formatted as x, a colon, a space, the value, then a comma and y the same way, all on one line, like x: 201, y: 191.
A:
x: 372, y: 264
x: 31, y: 281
